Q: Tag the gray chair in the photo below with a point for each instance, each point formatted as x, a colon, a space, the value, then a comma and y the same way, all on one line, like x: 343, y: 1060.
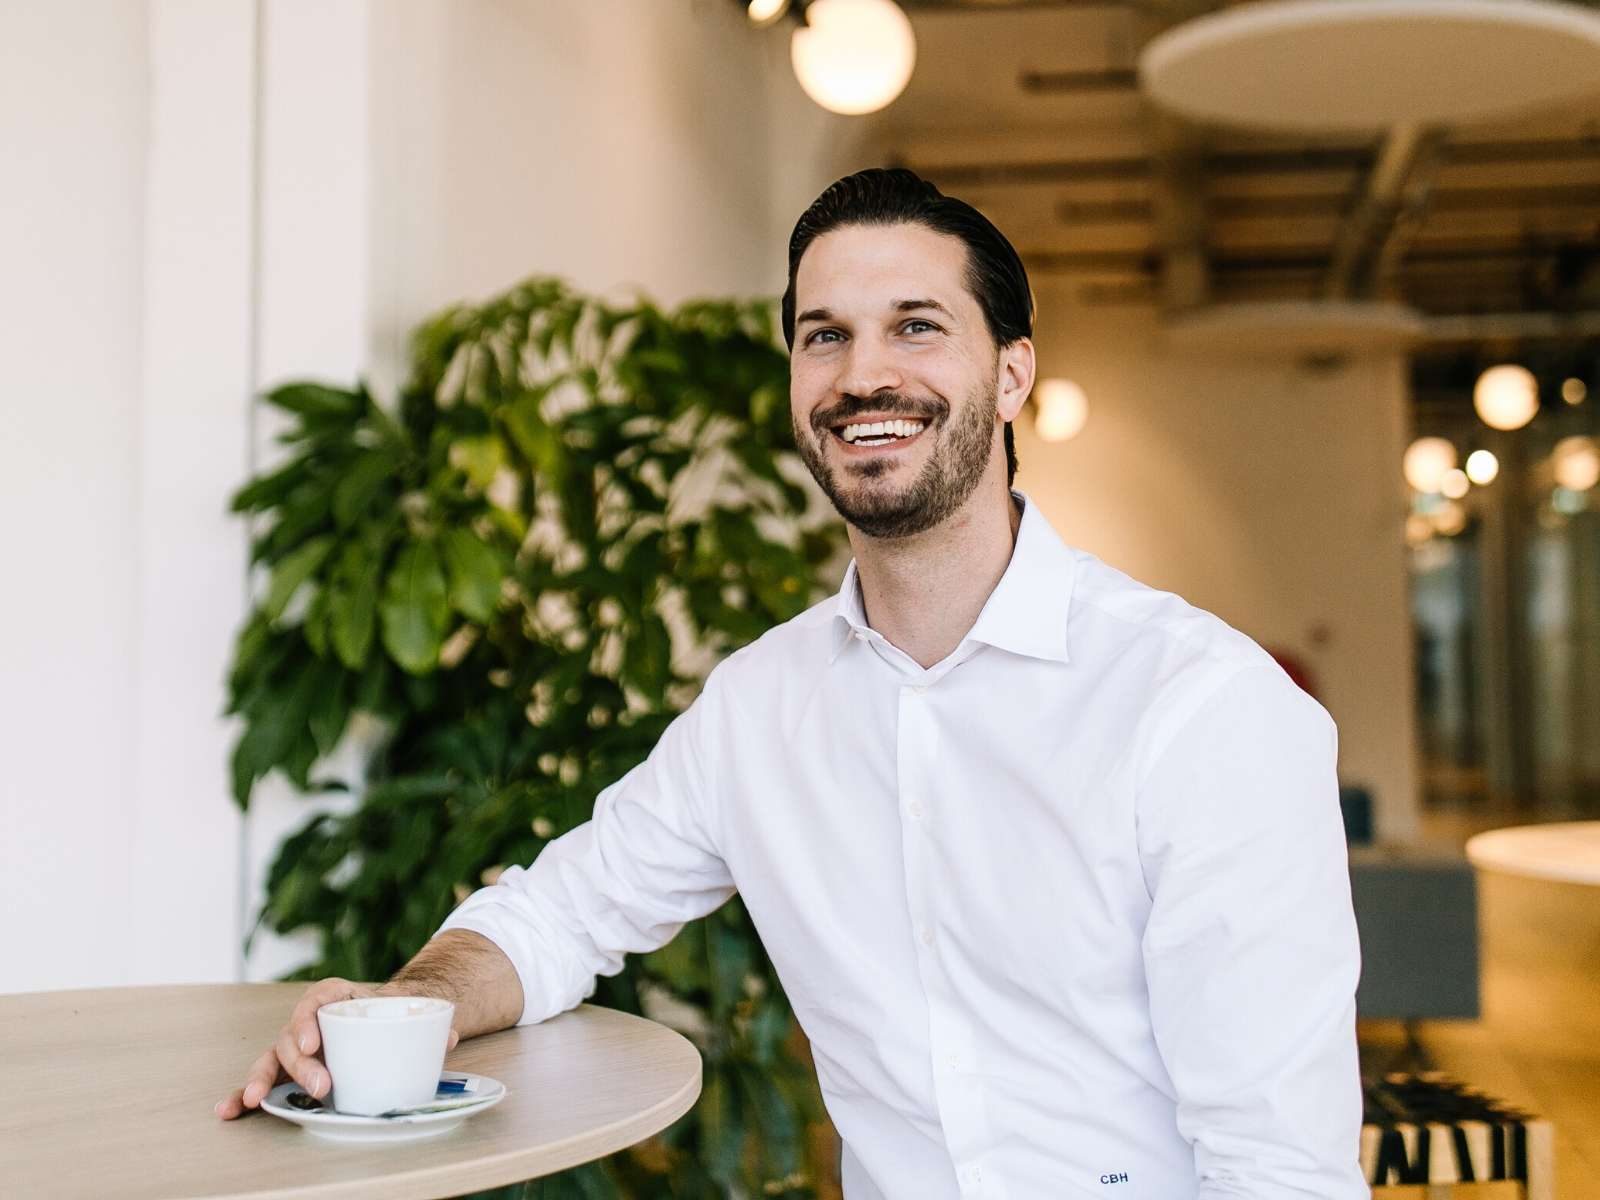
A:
x: 1417, y: 913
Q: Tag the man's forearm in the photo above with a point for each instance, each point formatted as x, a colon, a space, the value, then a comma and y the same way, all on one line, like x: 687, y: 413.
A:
x: 471, y: 972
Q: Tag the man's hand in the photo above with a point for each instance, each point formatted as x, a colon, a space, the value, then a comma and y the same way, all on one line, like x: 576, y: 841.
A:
x: 295, y: 1054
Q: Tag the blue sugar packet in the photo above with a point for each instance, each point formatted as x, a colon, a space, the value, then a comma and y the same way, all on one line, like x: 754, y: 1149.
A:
x: 455, y: 1085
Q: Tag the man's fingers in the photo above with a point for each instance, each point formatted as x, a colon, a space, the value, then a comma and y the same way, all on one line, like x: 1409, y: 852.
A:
x: 303, y: 1021
x: 263, y: 1074
x: 305, y: 1069
x: 294, y: 1054
x: 451, y: 1044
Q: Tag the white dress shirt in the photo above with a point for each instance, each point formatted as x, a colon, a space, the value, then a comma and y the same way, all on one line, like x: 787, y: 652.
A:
x: 1066, y: 914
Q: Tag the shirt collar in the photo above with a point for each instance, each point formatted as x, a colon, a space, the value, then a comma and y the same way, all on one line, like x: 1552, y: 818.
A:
x: 1025, y: 614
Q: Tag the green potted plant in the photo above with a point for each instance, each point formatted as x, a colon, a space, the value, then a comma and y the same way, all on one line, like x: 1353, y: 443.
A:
x: 519, y: 577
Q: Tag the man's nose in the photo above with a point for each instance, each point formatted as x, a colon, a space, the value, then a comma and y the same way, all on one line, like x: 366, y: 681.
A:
x: 870, y: 366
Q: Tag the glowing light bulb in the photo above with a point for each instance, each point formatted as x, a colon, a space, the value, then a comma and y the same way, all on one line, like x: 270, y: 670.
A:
x: 1576, y: 461
x: 853, y: 56
x: 1426, y: 461
x: 1506, y: 397
x: 1454, y: 483
x: 765, y: 12
x: 1482, y: 467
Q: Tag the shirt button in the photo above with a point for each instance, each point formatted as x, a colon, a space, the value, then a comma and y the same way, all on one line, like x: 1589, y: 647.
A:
x: 915, y: 808
x: 926, y: 935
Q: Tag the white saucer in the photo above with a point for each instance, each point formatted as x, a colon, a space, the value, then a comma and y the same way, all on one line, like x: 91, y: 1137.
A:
x: 446, y: 1112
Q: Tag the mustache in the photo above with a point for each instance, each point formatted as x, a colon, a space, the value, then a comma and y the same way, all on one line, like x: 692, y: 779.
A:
x: 895, y: 404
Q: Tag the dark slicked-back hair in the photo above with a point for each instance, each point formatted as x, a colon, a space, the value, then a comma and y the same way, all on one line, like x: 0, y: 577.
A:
x: 894, y: 196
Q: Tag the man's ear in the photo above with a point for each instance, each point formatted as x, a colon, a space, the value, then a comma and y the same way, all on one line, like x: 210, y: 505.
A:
x: 1016, y: 378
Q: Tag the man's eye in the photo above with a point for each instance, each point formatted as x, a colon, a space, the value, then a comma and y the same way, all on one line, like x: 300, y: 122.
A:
x: 822, y: 334
x: 920, y: 326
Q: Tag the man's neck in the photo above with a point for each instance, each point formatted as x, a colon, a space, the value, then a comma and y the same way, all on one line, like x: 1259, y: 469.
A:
x: 924, y: 593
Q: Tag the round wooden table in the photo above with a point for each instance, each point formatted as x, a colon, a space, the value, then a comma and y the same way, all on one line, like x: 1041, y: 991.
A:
x: 1539, y: 927
x: 110, y: 1093
x: 1564, y: 853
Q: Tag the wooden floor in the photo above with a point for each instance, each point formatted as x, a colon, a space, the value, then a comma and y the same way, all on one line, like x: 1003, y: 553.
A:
x: 1554, y: 1083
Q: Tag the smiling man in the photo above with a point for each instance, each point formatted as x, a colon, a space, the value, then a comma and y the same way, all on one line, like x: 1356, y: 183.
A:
x: 1050, y: 863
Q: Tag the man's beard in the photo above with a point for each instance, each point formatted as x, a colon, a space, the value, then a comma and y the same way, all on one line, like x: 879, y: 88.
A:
x: 948, y: 477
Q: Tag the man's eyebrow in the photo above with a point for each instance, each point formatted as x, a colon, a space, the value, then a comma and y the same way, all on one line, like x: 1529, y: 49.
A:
x: 914, y: 305
x: 813, y: 314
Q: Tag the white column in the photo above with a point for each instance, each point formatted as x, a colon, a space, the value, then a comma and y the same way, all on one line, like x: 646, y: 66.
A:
x: 313, y: 314
x: 72, y: 122
x: 192, y: 452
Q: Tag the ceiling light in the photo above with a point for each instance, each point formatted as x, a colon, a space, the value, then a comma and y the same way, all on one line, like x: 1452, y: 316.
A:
x: 1506, y: 397
x: 1426, y: 461
x: 1576, y: 461
x: 765, y: 12
x: 1574, y: 390
x: 1454, y: 483
x: 853, y: 56
x: 1482, y: 467
x: 1318, y: 66
x: 1063, y: 409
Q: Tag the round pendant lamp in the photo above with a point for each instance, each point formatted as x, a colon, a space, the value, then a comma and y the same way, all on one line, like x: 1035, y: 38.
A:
x: 1366, y: 65
x: 853, y: 56
x: 1506, y: 397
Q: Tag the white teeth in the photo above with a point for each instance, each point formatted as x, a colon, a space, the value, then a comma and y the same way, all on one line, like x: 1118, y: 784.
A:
x: 881, y: 429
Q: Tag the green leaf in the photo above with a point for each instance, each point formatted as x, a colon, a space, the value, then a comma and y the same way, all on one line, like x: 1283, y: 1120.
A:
x: 769, y: 1029
x: 316, y: 401
x: 315, y: 626
x: 722, y: 1127
x: 780, y: 1130
x: 578, y: 506
x: 273, y: 725
x: 415, y: 609
x: 360, y: 485
x: 479, y: 458
x: 681, y: 963
x: 330, y: 711
x: 249, y: 652
x: 353, y: 603
x: 291, y: 572
x: 646, y: 659
x: 537, y: 441
x: 728, y: 951
x: 475, y: 575
x: 266, y: 491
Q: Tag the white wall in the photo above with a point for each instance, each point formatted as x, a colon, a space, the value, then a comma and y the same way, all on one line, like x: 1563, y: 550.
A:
x: 1262, y: 491
x: 123, y: 324
x: 193, y: 448
x: 69, y: 80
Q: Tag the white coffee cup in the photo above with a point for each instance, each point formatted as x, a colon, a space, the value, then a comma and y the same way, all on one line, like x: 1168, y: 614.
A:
x: 384, y: 1052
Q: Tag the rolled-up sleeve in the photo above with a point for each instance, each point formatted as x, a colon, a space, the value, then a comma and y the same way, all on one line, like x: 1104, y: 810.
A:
x: 624, y: 882
x: 1251, y: 953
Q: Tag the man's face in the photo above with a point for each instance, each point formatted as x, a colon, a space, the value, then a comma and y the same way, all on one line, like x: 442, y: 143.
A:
x: 886, y: 332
